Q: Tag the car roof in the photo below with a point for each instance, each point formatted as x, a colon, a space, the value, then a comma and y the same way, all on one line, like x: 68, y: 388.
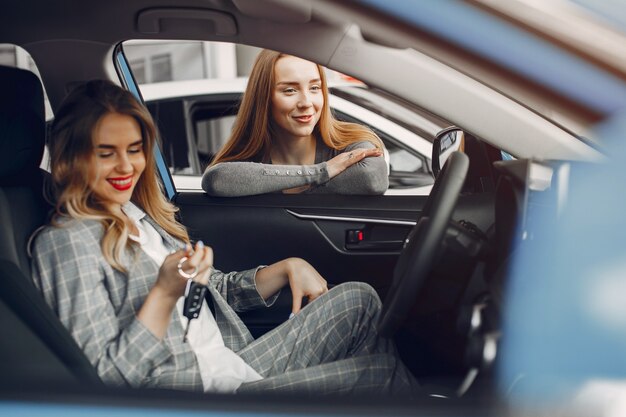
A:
x: 191, y: 88
x: 73, y: 41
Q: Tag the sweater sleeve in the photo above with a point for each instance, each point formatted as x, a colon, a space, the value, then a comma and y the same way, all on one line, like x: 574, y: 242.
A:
x: 236, y: 179
x: 367, y: 177
x: 70, y: 275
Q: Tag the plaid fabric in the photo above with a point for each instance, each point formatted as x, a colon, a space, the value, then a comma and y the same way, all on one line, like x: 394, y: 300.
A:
x: 98, y: 305
x: 330, y: 347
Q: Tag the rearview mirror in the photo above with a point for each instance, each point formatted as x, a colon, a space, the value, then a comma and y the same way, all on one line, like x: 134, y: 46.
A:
x: 447, y: 141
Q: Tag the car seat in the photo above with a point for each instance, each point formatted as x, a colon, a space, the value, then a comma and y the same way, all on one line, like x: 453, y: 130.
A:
x: 35, y: 348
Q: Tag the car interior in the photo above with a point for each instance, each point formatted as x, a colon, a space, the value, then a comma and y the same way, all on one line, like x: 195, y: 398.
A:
x: 438, y: 262
x: 295, y: 226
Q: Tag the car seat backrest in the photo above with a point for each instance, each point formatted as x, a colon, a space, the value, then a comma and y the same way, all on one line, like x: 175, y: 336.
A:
x: 32, y: 332
x: 22, y: 136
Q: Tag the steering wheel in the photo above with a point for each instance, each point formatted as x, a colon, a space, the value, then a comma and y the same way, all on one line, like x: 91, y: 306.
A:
x: 420, y: 247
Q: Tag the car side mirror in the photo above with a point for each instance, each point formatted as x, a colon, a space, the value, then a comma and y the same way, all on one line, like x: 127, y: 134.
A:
x: 446, y: 141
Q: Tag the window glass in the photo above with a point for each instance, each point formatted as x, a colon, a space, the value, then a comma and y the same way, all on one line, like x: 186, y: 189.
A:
x: 160, y: 61
x: 212, y: 134
x: 161, y: 66
x: 401, y: 160
x: 139, y: 70
x: 193, y: 90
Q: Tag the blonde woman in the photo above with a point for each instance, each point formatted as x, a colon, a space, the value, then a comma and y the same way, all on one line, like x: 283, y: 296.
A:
x: 114, y: 265
x: 285, y: 138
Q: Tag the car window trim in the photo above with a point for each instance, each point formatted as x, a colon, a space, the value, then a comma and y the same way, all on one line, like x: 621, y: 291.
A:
x: 122, y: 67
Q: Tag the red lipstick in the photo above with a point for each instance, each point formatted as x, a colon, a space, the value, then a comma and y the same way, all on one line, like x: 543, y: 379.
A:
x: 121, y: 183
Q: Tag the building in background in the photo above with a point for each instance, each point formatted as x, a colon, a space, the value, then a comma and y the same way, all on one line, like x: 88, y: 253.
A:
x: 159, y: 61
x: 154, y: 61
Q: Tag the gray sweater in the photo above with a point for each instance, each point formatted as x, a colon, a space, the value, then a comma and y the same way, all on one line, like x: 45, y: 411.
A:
x: 235, y: 179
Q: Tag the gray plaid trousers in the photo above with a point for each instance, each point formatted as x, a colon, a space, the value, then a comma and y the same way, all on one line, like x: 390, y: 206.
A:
x: 330, y: 347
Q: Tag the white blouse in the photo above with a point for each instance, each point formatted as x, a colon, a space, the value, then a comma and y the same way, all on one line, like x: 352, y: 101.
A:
x: 222, y: 370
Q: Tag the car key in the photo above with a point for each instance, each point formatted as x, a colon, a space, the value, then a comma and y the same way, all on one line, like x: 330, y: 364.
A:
x: 194, y: 295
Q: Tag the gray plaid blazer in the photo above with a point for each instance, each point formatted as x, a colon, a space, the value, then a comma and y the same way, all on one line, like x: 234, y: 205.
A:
x: 98, y: 305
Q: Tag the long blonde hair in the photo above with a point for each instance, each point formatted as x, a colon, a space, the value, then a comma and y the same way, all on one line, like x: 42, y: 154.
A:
x: 72, y: 151
x: 253, y: 129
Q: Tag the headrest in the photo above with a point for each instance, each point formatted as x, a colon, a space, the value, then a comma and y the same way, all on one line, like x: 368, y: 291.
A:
x: 22, y: 125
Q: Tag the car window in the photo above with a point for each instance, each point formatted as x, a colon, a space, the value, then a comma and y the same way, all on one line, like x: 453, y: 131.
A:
x: 393, y: 108
x: 193, y: 90
x: 212, y: 134
x: 401, y: 160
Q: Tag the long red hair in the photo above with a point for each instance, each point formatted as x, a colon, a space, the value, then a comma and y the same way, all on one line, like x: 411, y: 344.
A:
x: 251, y: 138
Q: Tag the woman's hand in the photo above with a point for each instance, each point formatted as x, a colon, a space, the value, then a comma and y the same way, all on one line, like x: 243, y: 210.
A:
x: 305, y: 282
x: 156, y: 311
x: 345, y: 160
x: 171, y: 282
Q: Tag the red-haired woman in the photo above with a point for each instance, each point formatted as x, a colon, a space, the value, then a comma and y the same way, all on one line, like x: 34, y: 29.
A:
x: 285, y: 138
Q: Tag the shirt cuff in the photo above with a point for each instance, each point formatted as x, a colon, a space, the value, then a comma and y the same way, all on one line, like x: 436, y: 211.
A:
x: 272, y: 299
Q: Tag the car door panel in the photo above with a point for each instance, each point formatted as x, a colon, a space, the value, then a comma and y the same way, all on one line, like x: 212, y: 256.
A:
x: 248, y: 231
